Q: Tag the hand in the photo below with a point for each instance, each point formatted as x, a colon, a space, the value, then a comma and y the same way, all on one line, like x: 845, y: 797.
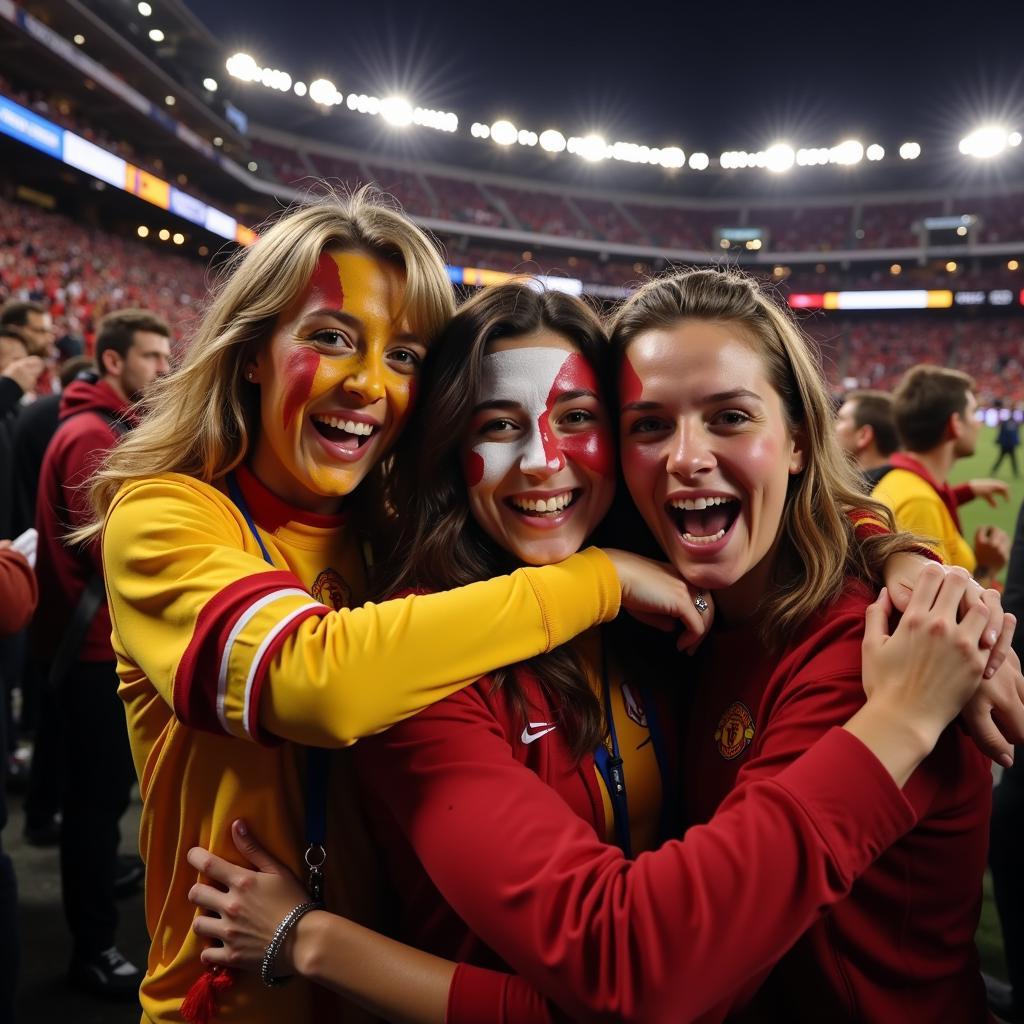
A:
x: 654, y: 593
x: 932, y: 663
x: 248, y: 906
x: 994, y: 716
x: 24, y: 371
x: 991, y: 548
x: 4, y: 544
x: 989, y: 488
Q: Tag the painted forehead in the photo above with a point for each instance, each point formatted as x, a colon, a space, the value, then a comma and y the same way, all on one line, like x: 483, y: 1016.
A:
x: 534, y: 376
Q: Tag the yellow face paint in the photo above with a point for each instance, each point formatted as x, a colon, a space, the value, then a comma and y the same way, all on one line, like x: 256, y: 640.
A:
x: 336, y: 381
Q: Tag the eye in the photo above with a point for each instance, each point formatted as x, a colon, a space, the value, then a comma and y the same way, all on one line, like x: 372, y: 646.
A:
x: 406, y: 359
x: 730, y: 418
x: 498, y: 426
x: 647, y: 425
x: 576, y: 417
x: 333, y: 339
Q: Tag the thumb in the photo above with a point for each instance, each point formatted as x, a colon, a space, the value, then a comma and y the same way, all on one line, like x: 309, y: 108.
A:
x: 252, y: 851
x: 987, y: 736
x: 876, y: 620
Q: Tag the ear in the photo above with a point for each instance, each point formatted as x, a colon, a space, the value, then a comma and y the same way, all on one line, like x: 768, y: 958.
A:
x: 954, y: 426
x: 864, y: 437
x: 251, y: 371
x: 112, y: 363
x: 798, y: 458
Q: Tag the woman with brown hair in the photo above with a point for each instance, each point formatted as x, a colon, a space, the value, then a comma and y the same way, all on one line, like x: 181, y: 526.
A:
x: 508, y: 812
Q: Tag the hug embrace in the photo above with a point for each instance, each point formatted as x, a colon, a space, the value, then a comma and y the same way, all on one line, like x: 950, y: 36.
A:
x: 356, y: 518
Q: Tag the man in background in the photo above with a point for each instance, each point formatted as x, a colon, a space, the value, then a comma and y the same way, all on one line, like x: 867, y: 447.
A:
x: 867, y: 431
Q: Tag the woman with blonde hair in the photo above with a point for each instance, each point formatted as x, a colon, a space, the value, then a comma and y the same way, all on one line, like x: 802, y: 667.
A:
x: 509, y: 813
x: 236, y: 529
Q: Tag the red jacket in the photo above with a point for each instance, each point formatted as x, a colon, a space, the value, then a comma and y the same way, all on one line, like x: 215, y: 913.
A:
x: 508, y: 833
x: 17, y: 592
x: 83, y: 438
x: 900, y: 947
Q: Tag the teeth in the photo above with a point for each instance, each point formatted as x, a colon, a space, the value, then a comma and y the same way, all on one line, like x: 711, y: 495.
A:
x: 555, y: 504
x: 349, y: 426
x: 690, y: 539
x: 697, y: 504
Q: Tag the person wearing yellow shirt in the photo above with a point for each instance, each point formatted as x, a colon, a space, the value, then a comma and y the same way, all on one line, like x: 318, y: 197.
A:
x: 935, y: 412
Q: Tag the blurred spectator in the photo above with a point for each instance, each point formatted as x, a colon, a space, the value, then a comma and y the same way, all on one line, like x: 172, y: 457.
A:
x: 866, y: 430
x: 34, y: 323
x: 935, y: 413
x: 132, y: 350
x: 1008, y: 440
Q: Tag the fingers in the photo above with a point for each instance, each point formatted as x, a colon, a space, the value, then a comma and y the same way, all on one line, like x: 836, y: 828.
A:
x: 977, y: 718
x: 951, y: 594
x: 1002, y: 645
x: 248, y: 846
x: 212, y: 866
x: 925, y: 590
x: 876, y: 621
x: 209, y: 898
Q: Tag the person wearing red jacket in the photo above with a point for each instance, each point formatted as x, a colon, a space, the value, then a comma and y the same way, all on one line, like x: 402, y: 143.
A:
x: 506, y: 812
x: 132, y: 350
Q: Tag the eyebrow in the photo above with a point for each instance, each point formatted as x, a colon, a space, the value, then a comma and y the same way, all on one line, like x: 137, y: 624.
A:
x: 354, y: 322
x: 718, y: 396
x: 571, y: 396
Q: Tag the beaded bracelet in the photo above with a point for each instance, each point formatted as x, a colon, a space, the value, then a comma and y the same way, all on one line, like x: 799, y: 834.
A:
x: 275, y: 944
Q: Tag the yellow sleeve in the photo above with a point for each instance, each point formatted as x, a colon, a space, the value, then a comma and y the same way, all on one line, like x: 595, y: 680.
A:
x: 237, y: 646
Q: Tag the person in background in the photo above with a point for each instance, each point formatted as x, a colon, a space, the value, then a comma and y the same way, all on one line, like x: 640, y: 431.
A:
x: 33, y: 322
x: 935, y: 413
x: 1008, y: 439
x: 866, y: 431
x: 133, y: 350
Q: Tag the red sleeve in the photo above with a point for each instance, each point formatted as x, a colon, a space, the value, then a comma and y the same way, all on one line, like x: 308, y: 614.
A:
x: 864, y: 528
x: 664, y: 937
x: 18, y: 594
x: 81, y: 454
x: 963, y: 493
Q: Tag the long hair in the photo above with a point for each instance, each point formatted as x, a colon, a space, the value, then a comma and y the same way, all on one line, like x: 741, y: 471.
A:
x: 441, y: 546
x: 202, y: 419
x: 818, y: 548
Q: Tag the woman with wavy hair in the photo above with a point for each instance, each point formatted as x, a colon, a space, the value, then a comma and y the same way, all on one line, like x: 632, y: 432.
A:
x: 509, y: 813
x: 237, y: 524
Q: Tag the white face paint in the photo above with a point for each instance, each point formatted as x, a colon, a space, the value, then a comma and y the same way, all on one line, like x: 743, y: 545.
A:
x: 525, y: 376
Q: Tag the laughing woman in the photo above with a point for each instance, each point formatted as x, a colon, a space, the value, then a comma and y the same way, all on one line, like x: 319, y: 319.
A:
x: 507, y: 813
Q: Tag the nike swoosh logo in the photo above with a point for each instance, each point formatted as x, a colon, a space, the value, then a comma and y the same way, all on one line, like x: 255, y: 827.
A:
x: 530, y: 737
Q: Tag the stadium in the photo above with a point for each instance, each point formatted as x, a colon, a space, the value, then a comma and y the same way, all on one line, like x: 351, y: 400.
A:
x: 142, y: 149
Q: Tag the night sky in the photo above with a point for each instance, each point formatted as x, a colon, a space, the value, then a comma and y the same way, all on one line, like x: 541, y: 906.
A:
x: 717, y: 75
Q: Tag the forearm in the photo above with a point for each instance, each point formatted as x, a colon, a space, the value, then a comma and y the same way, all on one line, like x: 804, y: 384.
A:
x: 388, y: 978
x: 898, y: 745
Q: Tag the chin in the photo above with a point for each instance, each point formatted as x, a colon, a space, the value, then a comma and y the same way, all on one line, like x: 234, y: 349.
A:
x: 546, y: 554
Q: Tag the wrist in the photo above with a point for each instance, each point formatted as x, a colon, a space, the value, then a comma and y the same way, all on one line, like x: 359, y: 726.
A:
x: 899, y: 737
x: 302, y: 952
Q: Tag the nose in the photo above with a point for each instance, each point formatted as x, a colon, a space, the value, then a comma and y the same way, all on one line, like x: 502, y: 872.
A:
x: 689, y: 450
x: 541, y: 456
x: 367, y: 379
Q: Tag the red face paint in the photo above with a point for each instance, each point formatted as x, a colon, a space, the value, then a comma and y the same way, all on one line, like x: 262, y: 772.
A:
x: 592, y: 448
x: 299, y: 372
x: 474, y: 468
x: 324, y: 290
x: 631, y: 388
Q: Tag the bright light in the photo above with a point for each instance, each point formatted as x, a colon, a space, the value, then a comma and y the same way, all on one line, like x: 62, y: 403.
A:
x: 169, y: 100
x: 961, y: 231
x: 985, y: 142
x: 479, y: 131
x: 441, y: 120
x: 847, y: 153
x: 526, y: 138
x: 951, y: 266
x: 179, y: 238
x: 324, y: 92
x: 243, y: 66
x: 164, y: 234
x: 218, y: 141
x: 875, y: 152
x: 552, y: 141
x: 504, y: 133
x: 1012, y: 265
x: 144, y: 9
x: 672, y: 157
x: 299, y: 88
x: 779, y: 158
x: 910, y: 150
x: 1014, y: 138
x: 895, y: 269
x: 253, y: 166
x: 397, y: 111
x: 699, y: 161
x: 79, y: 39
x: 754, y: 244
x: 156, y: 35
x: 210, y: 84
x: 592, y: 147
x: 143, y: 231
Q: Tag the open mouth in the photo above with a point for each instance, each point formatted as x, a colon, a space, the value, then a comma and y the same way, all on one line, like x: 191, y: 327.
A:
x: 704, y: 520
x: 348, y: 434
x: 545, y: 508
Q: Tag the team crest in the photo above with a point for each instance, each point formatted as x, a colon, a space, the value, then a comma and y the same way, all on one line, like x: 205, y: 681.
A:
x: 735, y: 730
x: 634, y: 707
x: 330, y: 589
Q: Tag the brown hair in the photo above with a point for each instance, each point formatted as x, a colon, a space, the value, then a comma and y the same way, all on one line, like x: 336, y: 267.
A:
x: 116, y: 331
x: 923, y: 402
x: 441, y: 546
x: 818, y: 548
x: 874, y: 409
x: 15, y: 313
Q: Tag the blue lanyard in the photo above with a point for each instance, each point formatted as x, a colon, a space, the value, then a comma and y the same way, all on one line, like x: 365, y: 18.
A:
x: 609, y: 764
x: 317, y: 758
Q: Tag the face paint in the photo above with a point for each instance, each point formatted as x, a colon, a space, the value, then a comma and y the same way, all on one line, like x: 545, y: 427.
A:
x: 536, y: 379
x: 300, y: 370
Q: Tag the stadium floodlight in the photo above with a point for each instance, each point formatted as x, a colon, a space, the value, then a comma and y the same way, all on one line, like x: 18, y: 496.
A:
x: 397, y: 111
x: 156, y: 35
x: 874, y: 152
x: 592, y: 148
x: 324, y: 92
x: 985, y: 142
x: 779, y: 157
x: 210, y: 84
x: 526, y: 138
x: 847, y: 153
x: 143, y: 231
x: 1014, y: 138
x: 951, y: 266
x: 672, y: 157
x: 178, y: 238
x: 170, y: 101
x: 218, y: 141
x: 504, y: 133
x: 1012, y: 265
x: 552, y: 141
x: 699, y: 161
x: 299, y: 88
x: 164, y: 234
x: 910, y: 150
x: 253, y: 166
x: 896, y: 269
x: 144, y: 9
x: 480, y: 131
x: 79, y: 39
x: 243, y: 66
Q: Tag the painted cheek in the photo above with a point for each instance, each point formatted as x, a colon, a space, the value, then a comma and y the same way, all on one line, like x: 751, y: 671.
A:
x: 553, y: 454
x: 473, y: 467
x: 592, y: 449
x: 324, y: 290
x: 300, y: 371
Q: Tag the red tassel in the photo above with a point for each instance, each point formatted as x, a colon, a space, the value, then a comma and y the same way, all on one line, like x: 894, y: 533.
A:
x: 200, y: 1003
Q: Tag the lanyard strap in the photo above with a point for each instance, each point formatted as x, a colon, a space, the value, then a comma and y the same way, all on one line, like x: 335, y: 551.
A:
x: 609, y: 764
x: 317, y: 758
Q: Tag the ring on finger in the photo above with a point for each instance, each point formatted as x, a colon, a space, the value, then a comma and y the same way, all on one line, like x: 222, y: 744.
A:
x: 700, y: 602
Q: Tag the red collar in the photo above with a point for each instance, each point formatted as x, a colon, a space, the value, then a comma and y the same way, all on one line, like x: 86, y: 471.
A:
x: 272, y: 512
x: 900, y: 460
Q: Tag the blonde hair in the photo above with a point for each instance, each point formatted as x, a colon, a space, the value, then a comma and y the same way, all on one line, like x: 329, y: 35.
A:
x: 818, y: 547
x: 201, y: 419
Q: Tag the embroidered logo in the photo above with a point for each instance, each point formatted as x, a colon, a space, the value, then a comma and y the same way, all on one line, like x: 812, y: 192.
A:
x: 330, y: 589
x: 542, y: 729
x: 735, y: 730
x: 634, y: 706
